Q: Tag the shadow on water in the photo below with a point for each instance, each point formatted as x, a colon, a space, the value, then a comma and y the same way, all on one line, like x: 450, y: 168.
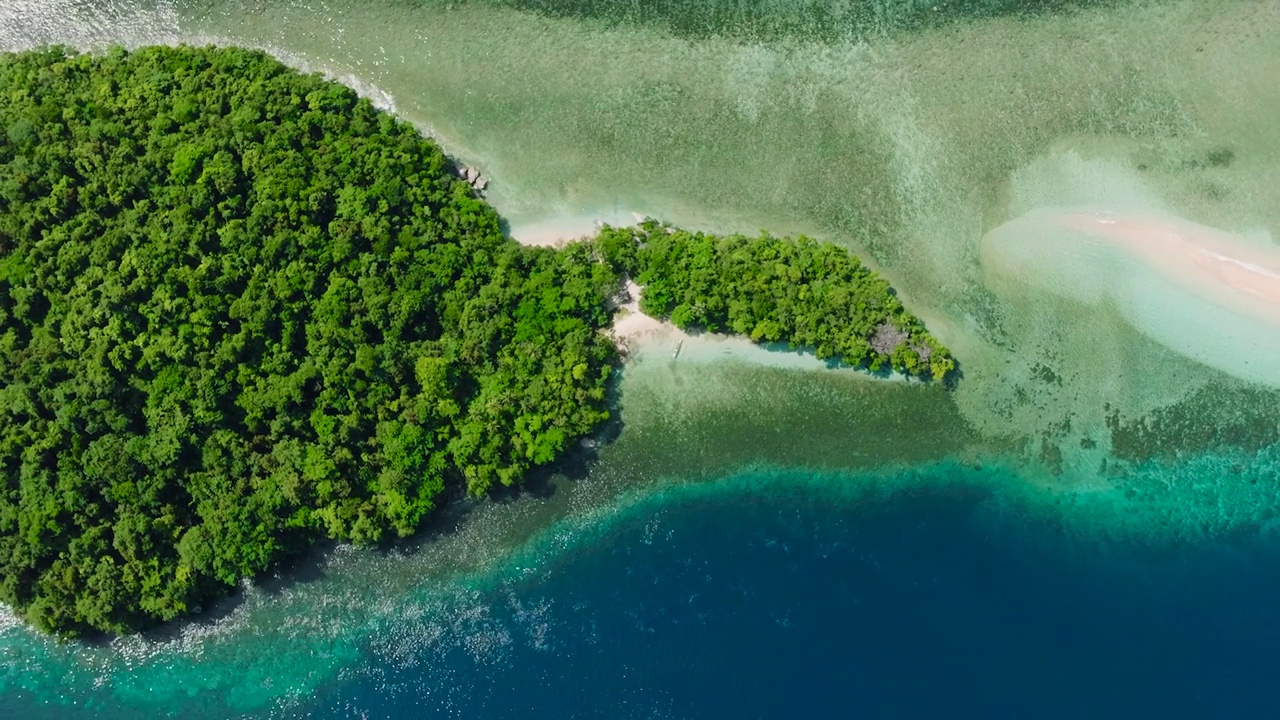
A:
x: 836, y: 363
x: 953, y: 378
x: 308, y: 566
x: 538, y: 483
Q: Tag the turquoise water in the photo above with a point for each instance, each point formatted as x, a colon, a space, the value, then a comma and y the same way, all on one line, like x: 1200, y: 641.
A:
x: 764, y: 598
x: 589, y: 585
x: 1087, y: 524
x: 766, y: 593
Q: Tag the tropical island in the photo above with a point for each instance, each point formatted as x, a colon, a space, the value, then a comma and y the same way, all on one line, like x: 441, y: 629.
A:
x: 242, y: 310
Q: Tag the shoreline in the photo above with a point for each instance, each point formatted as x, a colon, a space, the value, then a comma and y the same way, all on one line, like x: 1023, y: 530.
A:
x: 642, y: 338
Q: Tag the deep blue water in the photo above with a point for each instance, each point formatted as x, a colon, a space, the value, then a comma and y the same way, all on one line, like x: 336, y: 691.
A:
x: 755, y: 604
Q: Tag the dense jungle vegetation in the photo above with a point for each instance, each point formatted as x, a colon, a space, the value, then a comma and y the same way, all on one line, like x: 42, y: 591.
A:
x: 241, y: 308
x: 800, y: 292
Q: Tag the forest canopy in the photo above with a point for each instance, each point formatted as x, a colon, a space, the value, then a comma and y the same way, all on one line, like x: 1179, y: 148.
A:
x: 240, y: 309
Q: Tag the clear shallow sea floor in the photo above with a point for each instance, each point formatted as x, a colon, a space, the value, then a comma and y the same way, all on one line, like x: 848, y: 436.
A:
x: 1087, y: 524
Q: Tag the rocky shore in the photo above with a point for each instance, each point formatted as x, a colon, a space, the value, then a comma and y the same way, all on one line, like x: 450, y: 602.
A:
x: 472, y: 176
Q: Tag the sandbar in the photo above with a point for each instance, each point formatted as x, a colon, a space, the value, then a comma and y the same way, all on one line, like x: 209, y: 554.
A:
x: 1227, y: 269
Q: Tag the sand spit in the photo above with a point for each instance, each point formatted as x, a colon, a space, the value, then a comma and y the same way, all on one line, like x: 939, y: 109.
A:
x: 1089, y: 253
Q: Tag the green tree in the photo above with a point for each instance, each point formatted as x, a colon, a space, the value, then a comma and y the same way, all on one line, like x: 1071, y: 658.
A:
x: 240, y: 309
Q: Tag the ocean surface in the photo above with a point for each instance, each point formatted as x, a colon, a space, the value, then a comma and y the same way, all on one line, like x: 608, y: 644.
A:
x: 1088, y: 524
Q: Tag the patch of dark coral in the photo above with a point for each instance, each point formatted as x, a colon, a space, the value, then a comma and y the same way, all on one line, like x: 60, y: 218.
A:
x: 1216, y: 417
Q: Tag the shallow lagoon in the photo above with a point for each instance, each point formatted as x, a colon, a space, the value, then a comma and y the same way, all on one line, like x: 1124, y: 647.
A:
x: 1083, y: 475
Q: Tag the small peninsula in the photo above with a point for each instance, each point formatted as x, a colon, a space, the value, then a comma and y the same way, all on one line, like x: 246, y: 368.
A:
x: 241, y: 310
x: 797, y: 291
